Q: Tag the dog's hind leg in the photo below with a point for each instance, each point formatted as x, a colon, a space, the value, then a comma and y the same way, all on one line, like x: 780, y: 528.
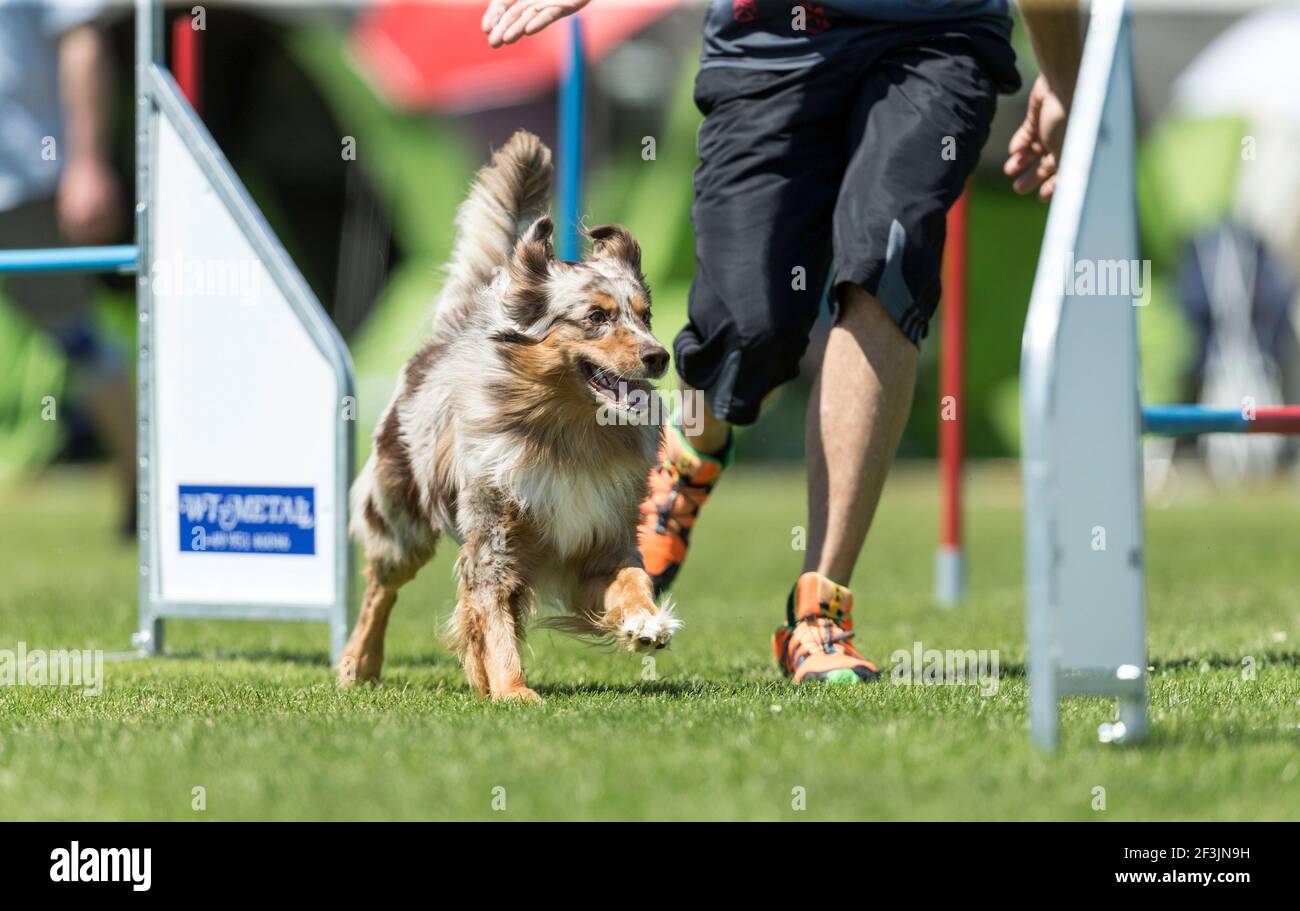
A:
x: 395, y: 549
x: 391, y: 560
x: 363, y: 658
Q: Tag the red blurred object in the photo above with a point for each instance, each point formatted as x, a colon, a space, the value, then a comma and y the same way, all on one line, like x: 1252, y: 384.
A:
x: 952, y: 368
x: 187, y: 60
x: 434, y: 55
x: 1276, y: 419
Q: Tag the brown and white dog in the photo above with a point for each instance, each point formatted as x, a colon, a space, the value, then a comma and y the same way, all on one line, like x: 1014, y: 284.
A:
x: 495, y: 436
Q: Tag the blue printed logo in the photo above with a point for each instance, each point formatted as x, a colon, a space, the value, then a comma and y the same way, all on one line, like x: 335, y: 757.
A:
x: 248, y: 520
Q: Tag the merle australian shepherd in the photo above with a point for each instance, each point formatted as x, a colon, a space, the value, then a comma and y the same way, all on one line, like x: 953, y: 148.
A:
x: 516, y: 430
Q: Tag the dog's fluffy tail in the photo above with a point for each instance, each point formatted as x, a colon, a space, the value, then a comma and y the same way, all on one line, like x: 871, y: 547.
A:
x: 509, y: 193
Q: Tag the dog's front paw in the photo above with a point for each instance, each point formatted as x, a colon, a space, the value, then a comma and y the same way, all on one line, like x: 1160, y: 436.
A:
x: 646, y: 630
x: 351, y: 671
x: 517, y: 694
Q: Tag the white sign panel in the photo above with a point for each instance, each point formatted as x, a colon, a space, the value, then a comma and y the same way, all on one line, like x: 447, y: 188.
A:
x: 248, y: 406
x: 1081, y: 415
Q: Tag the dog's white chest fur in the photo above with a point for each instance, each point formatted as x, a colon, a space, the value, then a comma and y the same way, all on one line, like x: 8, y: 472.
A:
x: 574, y: 512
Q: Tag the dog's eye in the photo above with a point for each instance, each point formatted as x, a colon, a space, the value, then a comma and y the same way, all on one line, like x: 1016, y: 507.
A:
x: 598, y: 316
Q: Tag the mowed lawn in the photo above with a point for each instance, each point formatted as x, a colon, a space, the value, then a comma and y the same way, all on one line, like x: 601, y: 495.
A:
x: 249, y: 712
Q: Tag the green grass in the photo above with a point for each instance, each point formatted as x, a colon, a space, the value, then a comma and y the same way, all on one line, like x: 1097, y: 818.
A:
x: 249, y: 711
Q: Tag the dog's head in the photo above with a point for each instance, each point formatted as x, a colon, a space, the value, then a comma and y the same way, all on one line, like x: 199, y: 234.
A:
x: 583, y: 328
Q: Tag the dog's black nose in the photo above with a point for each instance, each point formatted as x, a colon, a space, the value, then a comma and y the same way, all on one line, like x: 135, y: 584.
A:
x: 655, y: 360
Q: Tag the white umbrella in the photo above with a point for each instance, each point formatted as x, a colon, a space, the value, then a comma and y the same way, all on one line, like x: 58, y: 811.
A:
x: 1252, y: 68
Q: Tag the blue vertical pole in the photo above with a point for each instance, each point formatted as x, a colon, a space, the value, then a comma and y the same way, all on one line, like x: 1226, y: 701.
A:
x: 570, y: 130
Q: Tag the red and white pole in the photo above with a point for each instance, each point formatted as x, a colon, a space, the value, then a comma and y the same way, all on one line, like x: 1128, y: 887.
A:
x: 187, y: 60
x: 950, y: 564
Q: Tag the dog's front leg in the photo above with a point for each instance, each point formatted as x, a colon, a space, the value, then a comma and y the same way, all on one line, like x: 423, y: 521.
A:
x: 487, y: 623
x: 623, y: 603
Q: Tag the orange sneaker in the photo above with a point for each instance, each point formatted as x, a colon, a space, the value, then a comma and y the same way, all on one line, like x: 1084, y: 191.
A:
x: 814, y: 643
x: 678, y: 488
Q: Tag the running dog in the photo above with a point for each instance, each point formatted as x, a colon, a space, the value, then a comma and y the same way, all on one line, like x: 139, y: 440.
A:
x: 517, y: 430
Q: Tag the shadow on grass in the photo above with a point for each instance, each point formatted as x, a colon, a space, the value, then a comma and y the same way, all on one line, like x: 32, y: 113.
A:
x: 318, y: 659
x: 1214, y: 662
x: 1203, y: 735
x: 1228, y: 662
x: 640, y: 688
x: 309, y: 658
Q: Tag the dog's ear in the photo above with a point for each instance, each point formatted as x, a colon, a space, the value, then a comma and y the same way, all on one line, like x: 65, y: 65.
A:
x: 615, y: 242
x: 530, y: 267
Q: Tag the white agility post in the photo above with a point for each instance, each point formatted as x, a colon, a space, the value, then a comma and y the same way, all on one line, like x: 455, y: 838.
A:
x: 245, y: 391
x: 1081, y: 416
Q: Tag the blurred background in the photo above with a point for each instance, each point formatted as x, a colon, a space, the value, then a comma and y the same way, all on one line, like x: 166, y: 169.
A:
x: 421, y: 97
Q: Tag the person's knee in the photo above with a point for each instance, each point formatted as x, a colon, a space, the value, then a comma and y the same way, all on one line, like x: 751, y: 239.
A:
x: 754, y: 364
x: 859, y: 311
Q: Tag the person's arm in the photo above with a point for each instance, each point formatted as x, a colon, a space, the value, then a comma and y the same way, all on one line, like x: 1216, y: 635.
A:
x: 89, y: 199
x: 506, y: 21
x: 1056, y: 33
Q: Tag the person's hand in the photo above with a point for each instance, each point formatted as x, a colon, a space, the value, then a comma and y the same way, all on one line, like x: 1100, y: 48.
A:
x: 89, y: 201
x: 506, y: 21
x: 1035, y: 149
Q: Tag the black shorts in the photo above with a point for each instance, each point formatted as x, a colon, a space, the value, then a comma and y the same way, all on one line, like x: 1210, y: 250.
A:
x: 854, y: 160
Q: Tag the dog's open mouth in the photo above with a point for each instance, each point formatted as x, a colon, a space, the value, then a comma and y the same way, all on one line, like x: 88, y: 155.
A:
x: 610, y: 388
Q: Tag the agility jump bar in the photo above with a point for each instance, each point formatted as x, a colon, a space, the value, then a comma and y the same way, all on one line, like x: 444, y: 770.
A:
x: 71, y: 259
x: 1194, y: 420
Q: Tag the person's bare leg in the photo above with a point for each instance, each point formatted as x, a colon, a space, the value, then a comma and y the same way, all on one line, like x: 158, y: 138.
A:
x: 856, y: 414
x: 707, y: 436
x: 111, y: 406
